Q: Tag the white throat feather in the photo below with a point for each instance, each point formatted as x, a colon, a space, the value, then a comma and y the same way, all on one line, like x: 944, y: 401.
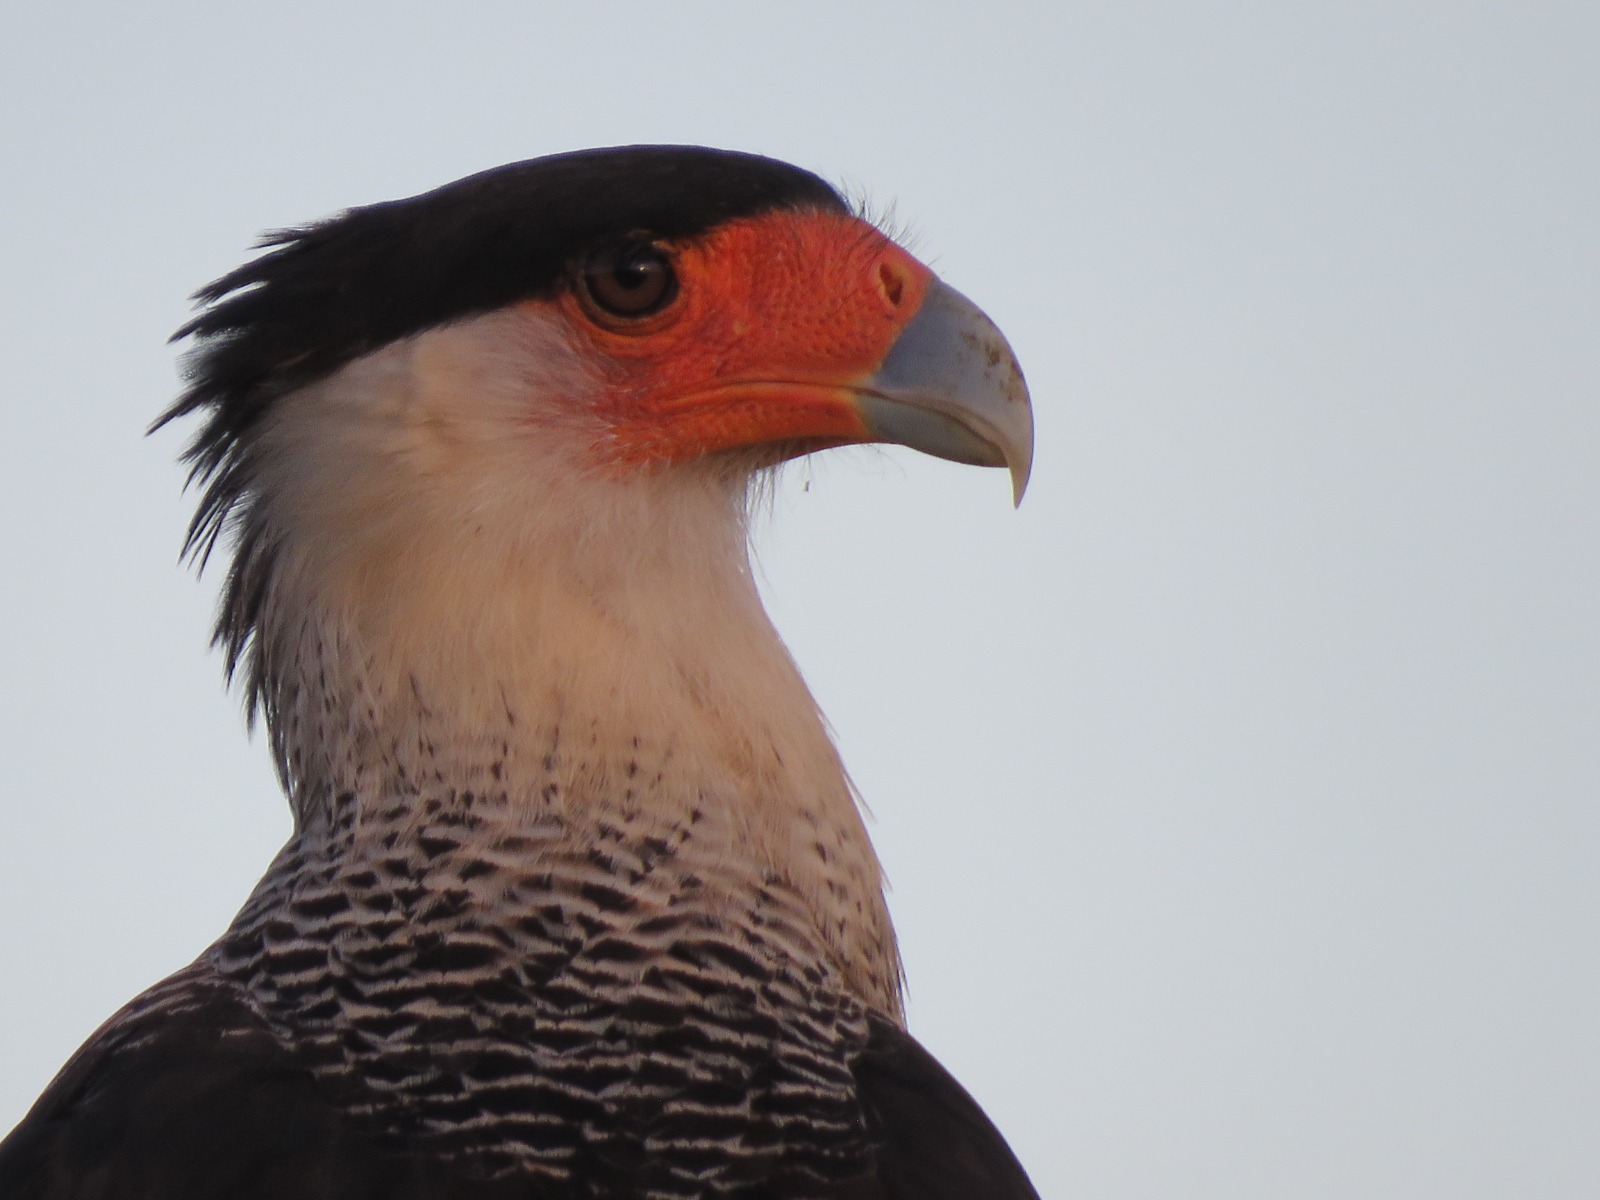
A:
x: 453, y: 596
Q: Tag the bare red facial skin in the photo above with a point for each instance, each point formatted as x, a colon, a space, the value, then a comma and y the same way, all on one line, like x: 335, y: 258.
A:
x: 775, y: 317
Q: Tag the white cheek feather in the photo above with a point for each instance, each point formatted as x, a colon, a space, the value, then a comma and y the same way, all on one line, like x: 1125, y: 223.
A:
x: 459, y: 587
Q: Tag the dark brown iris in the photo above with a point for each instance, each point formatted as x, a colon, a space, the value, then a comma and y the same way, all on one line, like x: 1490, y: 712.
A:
x: 630, y: 279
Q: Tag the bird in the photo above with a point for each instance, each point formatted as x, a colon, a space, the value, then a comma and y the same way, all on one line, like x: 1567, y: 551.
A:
x: 578, y: 900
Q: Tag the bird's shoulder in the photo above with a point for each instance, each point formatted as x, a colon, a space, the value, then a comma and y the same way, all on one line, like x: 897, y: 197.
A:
x: 931, y: 1140
x: 185, y: 1093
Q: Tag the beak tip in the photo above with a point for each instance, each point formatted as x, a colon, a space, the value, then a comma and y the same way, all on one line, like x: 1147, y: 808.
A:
x: 1019, y: 485
x: 1018, y: 448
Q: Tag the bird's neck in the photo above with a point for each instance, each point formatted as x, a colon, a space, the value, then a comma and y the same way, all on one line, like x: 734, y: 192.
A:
x: 522, y: 713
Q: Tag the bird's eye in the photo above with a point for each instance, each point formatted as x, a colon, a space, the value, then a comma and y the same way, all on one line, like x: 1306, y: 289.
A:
x: 629, y: 280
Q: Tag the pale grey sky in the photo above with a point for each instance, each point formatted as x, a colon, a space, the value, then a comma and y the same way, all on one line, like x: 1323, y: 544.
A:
x: 1241, y: 793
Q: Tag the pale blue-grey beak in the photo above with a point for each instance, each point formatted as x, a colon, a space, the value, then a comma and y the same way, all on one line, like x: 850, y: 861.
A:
x: 951, y: 387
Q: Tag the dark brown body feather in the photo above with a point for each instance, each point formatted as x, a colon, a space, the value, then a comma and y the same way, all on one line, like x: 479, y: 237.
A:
x: 199, y: 1102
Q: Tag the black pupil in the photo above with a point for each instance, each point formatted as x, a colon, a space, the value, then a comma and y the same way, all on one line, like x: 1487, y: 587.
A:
x: 637, y: 269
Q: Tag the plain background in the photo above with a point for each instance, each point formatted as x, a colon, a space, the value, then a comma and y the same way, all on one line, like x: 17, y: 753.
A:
x: 1240, y: 794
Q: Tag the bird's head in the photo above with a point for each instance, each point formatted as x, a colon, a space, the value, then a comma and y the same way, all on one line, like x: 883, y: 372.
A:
x: 565, y: 371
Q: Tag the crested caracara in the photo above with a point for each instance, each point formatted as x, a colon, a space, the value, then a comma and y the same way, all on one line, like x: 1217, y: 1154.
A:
x: 578, y: 901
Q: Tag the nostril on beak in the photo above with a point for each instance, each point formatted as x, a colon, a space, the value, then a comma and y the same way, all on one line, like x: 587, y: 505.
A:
x: 892, y: 283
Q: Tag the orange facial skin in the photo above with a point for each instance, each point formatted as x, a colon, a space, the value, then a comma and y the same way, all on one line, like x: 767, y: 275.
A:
x: 775, y: 318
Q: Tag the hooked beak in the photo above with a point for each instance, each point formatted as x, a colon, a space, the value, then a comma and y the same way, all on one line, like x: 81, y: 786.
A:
x: 951, y: 387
